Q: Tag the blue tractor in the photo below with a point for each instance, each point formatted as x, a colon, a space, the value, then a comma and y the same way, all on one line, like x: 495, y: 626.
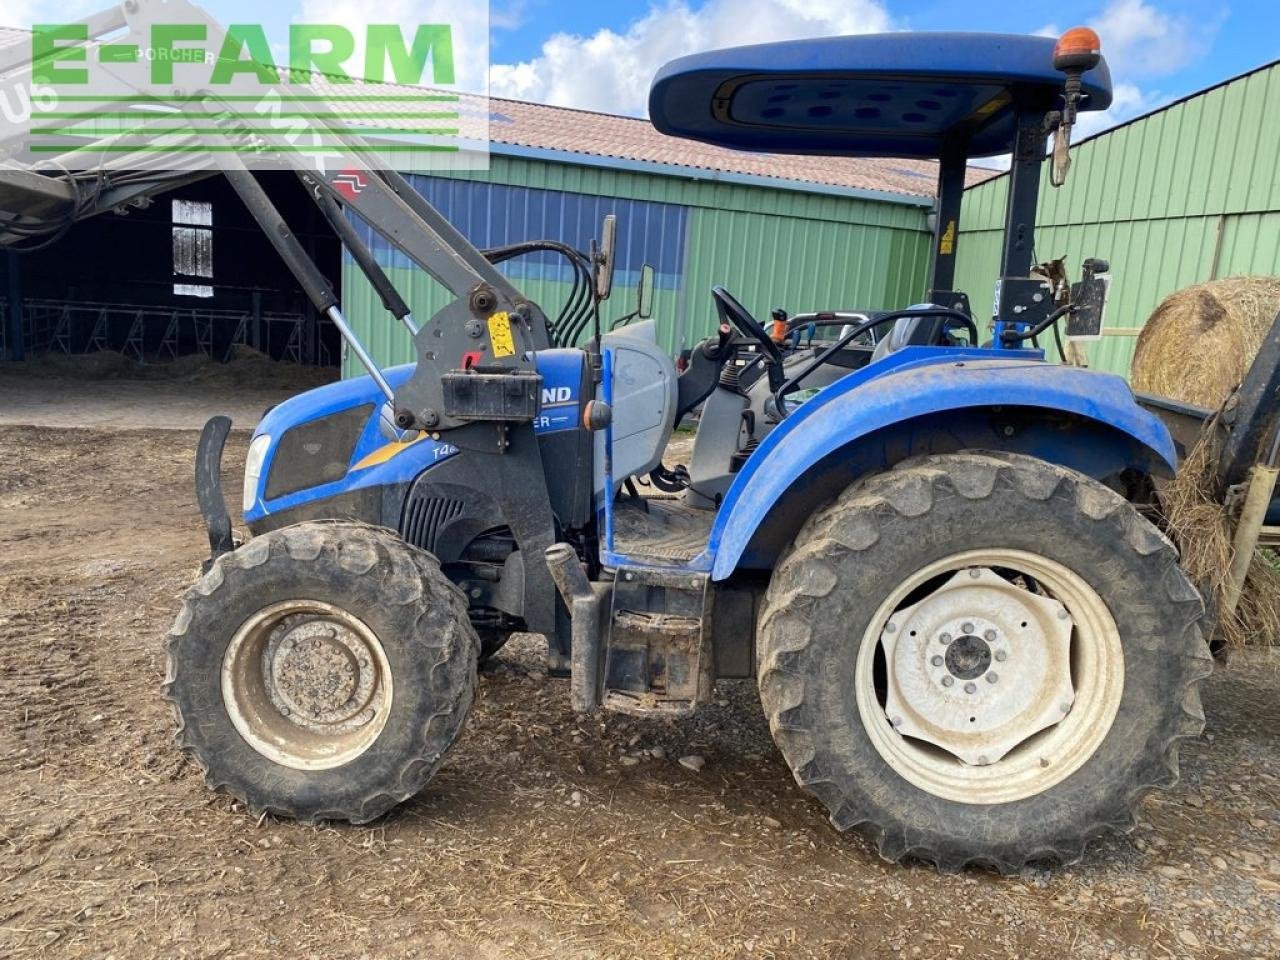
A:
x: 934, y: 554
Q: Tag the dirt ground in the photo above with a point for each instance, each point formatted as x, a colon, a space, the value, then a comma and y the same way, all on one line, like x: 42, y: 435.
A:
x: 545, y: 834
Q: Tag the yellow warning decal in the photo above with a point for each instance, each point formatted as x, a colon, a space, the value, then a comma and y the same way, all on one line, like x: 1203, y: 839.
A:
x: 504, y: 345
x: 947, y: 243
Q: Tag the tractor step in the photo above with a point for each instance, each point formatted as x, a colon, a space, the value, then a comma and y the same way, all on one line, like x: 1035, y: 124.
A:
x: 657, y: 652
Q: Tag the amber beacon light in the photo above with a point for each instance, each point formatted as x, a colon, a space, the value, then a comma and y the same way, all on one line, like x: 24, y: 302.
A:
x: 1077, y: 49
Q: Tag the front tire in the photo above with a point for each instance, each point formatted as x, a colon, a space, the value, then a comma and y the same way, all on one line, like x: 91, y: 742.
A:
x: 981, y: 658
x: 321, y: 671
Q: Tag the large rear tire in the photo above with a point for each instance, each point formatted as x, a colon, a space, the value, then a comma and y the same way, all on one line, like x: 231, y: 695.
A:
x: 321, y: 671
x: 981, y: 658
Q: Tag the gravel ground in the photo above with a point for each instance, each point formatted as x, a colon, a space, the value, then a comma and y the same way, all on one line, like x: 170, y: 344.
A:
x: 545, y: 834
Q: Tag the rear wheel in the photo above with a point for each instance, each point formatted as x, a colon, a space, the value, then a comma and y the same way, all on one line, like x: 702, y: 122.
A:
x: 981, y: 658
x: 321, y: 671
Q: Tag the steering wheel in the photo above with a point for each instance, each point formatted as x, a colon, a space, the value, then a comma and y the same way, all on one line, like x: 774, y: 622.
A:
x: 732, y: 312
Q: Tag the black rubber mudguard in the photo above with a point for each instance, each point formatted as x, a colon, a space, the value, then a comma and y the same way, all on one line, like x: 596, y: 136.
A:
x: 213, y: 506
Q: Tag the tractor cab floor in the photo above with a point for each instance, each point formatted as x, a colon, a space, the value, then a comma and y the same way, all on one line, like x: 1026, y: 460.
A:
x: 661, y: 530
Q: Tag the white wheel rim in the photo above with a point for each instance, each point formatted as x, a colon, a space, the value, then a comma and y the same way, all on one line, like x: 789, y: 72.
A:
x: 306, y: 684
x: 1016, y: 706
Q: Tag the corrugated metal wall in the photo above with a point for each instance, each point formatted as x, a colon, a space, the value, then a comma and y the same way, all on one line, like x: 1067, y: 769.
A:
x: 770, y: 247
x: 1188, y: 194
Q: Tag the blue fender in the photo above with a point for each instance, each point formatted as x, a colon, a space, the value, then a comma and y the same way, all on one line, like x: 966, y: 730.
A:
x: 917, y: 382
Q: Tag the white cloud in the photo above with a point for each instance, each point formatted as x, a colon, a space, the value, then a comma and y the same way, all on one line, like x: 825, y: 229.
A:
x: 508, y: 16
x: 1128, y: 100
x: 611, y: 71
x: 1139, y: 39
x: 17, y: 13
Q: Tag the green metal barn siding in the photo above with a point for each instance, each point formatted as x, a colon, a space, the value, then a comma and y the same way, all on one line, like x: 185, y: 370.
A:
x: 771, y: 247
x: 1187, y: 194
x: 802, y: 265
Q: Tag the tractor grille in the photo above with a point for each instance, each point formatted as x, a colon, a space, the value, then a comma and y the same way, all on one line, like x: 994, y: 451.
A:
x: 424, y: 517
x: 317, y: 451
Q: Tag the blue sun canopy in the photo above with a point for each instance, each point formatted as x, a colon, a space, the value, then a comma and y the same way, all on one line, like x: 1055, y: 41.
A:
x: 895, y: 95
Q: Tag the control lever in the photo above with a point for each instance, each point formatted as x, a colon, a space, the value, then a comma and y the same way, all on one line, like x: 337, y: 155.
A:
x: 725, y: 334
x: 779, y: 332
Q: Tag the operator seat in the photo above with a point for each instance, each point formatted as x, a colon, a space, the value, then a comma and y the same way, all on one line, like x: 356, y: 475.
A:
x: 921, y: 331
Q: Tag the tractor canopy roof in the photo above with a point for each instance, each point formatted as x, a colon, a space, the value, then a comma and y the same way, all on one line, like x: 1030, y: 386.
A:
x: 893, y: 94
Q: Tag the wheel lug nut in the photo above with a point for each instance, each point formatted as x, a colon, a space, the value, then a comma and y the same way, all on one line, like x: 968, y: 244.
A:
x: 989, y: 636
x: 936, y: 661
x: 966, y: 627
x: 970, y: 688
x: 890, y: 627
x: 1065, y: 708
x: 896, y: 721
x: 945, y: 639
x: 1002, y: 655
x: 1062, y: 614
x: 975, y: 572
x: 947, y: 681
x: 992, y: 677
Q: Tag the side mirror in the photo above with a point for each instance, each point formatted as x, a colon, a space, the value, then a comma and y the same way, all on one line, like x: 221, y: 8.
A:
x: 605, y: 260
x: 644, y: 292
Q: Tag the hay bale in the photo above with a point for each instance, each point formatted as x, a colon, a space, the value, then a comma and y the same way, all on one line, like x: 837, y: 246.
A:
x: 1196, y: 348
x: 1202, y: 529
x: 1199, y: 342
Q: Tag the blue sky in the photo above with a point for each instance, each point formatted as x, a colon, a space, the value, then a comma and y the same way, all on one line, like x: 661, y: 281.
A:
x: 568, y: 51
x: 1237, y: 36
x: 601, y: 55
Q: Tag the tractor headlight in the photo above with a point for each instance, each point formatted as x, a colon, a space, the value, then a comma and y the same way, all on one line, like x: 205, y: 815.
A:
x: 253, y: 468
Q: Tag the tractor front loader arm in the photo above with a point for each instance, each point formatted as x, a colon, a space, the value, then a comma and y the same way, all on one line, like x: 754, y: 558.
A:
x: 474, y: 357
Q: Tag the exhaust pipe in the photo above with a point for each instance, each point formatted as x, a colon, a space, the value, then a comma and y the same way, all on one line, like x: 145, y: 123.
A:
x: 587, y: 609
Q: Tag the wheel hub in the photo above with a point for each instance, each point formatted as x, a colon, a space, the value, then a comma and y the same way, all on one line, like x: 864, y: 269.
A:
x: 318, y: 673
x: 978, y: 666
x: 306, y: 684
x: 967, y: 657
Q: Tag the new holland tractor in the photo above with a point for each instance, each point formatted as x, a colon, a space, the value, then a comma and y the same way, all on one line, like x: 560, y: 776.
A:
x: 932, y: 553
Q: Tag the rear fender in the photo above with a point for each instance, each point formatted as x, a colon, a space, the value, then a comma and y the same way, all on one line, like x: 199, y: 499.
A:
x: 930, y: 400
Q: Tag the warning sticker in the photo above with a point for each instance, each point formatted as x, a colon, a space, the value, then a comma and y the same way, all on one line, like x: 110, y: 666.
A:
x: 947, y: 245
x: 504, y: 345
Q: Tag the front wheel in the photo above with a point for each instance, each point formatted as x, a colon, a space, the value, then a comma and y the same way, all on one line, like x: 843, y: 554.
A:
x: 321, y: 671
x: 981, y: 658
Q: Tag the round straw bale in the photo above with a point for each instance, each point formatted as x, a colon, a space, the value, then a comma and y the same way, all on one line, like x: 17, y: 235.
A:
x: 1199, y: 342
